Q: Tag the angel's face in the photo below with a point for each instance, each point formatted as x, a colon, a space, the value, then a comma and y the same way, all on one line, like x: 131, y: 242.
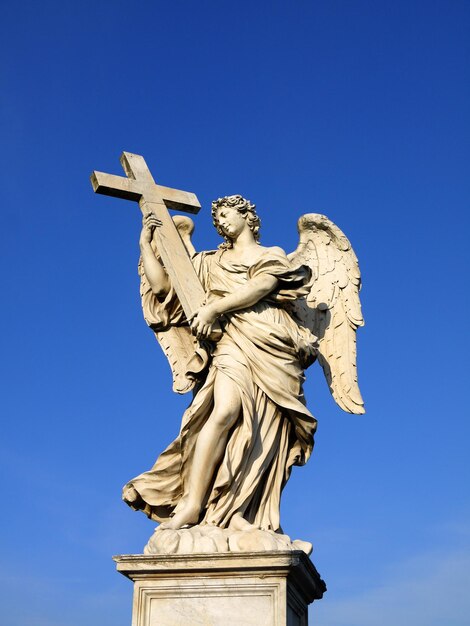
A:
x: 231, y: 222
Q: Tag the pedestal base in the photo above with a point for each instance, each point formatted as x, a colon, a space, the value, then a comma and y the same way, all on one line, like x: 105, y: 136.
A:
x: 224, y: 589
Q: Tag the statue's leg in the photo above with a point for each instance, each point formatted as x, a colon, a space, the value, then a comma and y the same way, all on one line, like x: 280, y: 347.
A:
x: 209, y: 449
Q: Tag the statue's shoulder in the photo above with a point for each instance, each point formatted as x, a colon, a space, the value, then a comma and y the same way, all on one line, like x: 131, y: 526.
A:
x: 277, y: 250
x: 274, y: 251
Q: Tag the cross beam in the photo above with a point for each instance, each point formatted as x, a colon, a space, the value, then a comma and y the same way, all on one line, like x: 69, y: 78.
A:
x: 140, y: 186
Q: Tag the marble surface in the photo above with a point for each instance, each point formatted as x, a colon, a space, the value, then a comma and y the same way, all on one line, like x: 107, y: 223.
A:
x: 239, y: 326
x: 250, y: 589
x: 202, y: 539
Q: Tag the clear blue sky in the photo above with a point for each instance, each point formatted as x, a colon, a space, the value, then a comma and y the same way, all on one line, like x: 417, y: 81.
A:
x: 359, y: 110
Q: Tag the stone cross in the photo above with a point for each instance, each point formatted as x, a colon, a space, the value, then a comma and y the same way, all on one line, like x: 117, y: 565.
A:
x: 140, y: 186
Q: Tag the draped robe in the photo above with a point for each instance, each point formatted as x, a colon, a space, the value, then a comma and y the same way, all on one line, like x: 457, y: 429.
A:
x: 263, y: 350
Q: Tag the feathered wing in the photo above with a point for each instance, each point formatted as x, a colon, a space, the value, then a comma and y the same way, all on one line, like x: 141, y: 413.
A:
x: 176, y: 341
x: 332, y: 309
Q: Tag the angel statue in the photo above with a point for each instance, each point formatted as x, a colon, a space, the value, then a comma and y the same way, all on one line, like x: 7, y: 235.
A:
x: 267, y: 317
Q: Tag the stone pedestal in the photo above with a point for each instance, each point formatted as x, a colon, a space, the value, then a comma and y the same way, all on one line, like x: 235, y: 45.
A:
x: 224, y: 589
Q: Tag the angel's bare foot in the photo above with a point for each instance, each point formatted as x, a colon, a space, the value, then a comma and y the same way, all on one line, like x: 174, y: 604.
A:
x: 238, y: 522
x: 188, y: 515
x: 181, y: 504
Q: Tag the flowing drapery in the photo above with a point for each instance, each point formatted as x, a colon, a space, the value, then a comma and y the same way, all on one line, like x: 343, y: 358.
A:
x: 262, y: 350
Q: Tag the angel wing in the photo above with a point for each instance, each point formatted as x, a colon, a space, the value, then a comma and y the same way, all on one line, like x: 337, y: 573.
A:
x: 176, y: 341
x: 332, y: 309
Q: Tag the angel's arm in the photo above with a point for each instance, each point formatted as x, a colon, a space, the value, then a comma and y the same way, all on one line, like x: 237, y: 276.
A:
x: 249, y: 294
x: 154, y: 270
x: 252, y: 292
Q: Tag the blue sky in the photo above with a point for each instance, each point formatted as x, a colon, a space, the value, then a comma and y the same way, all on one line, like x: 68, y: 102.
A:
x: 359, y: 110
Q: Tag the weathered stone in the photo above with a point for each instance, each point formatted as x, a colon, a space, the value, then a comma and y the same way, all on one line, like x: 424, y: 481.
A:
x: 253, y: 589
x: 206, y: 538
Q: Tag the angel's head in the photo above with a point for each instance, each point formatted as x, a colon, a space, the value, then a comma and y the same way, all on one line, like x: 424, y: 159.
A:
x: 227, y: 214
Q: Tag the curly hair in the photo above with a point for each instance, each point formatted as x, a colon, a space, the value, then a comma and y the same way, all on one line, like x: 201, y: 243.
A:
x: 243, y: 206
